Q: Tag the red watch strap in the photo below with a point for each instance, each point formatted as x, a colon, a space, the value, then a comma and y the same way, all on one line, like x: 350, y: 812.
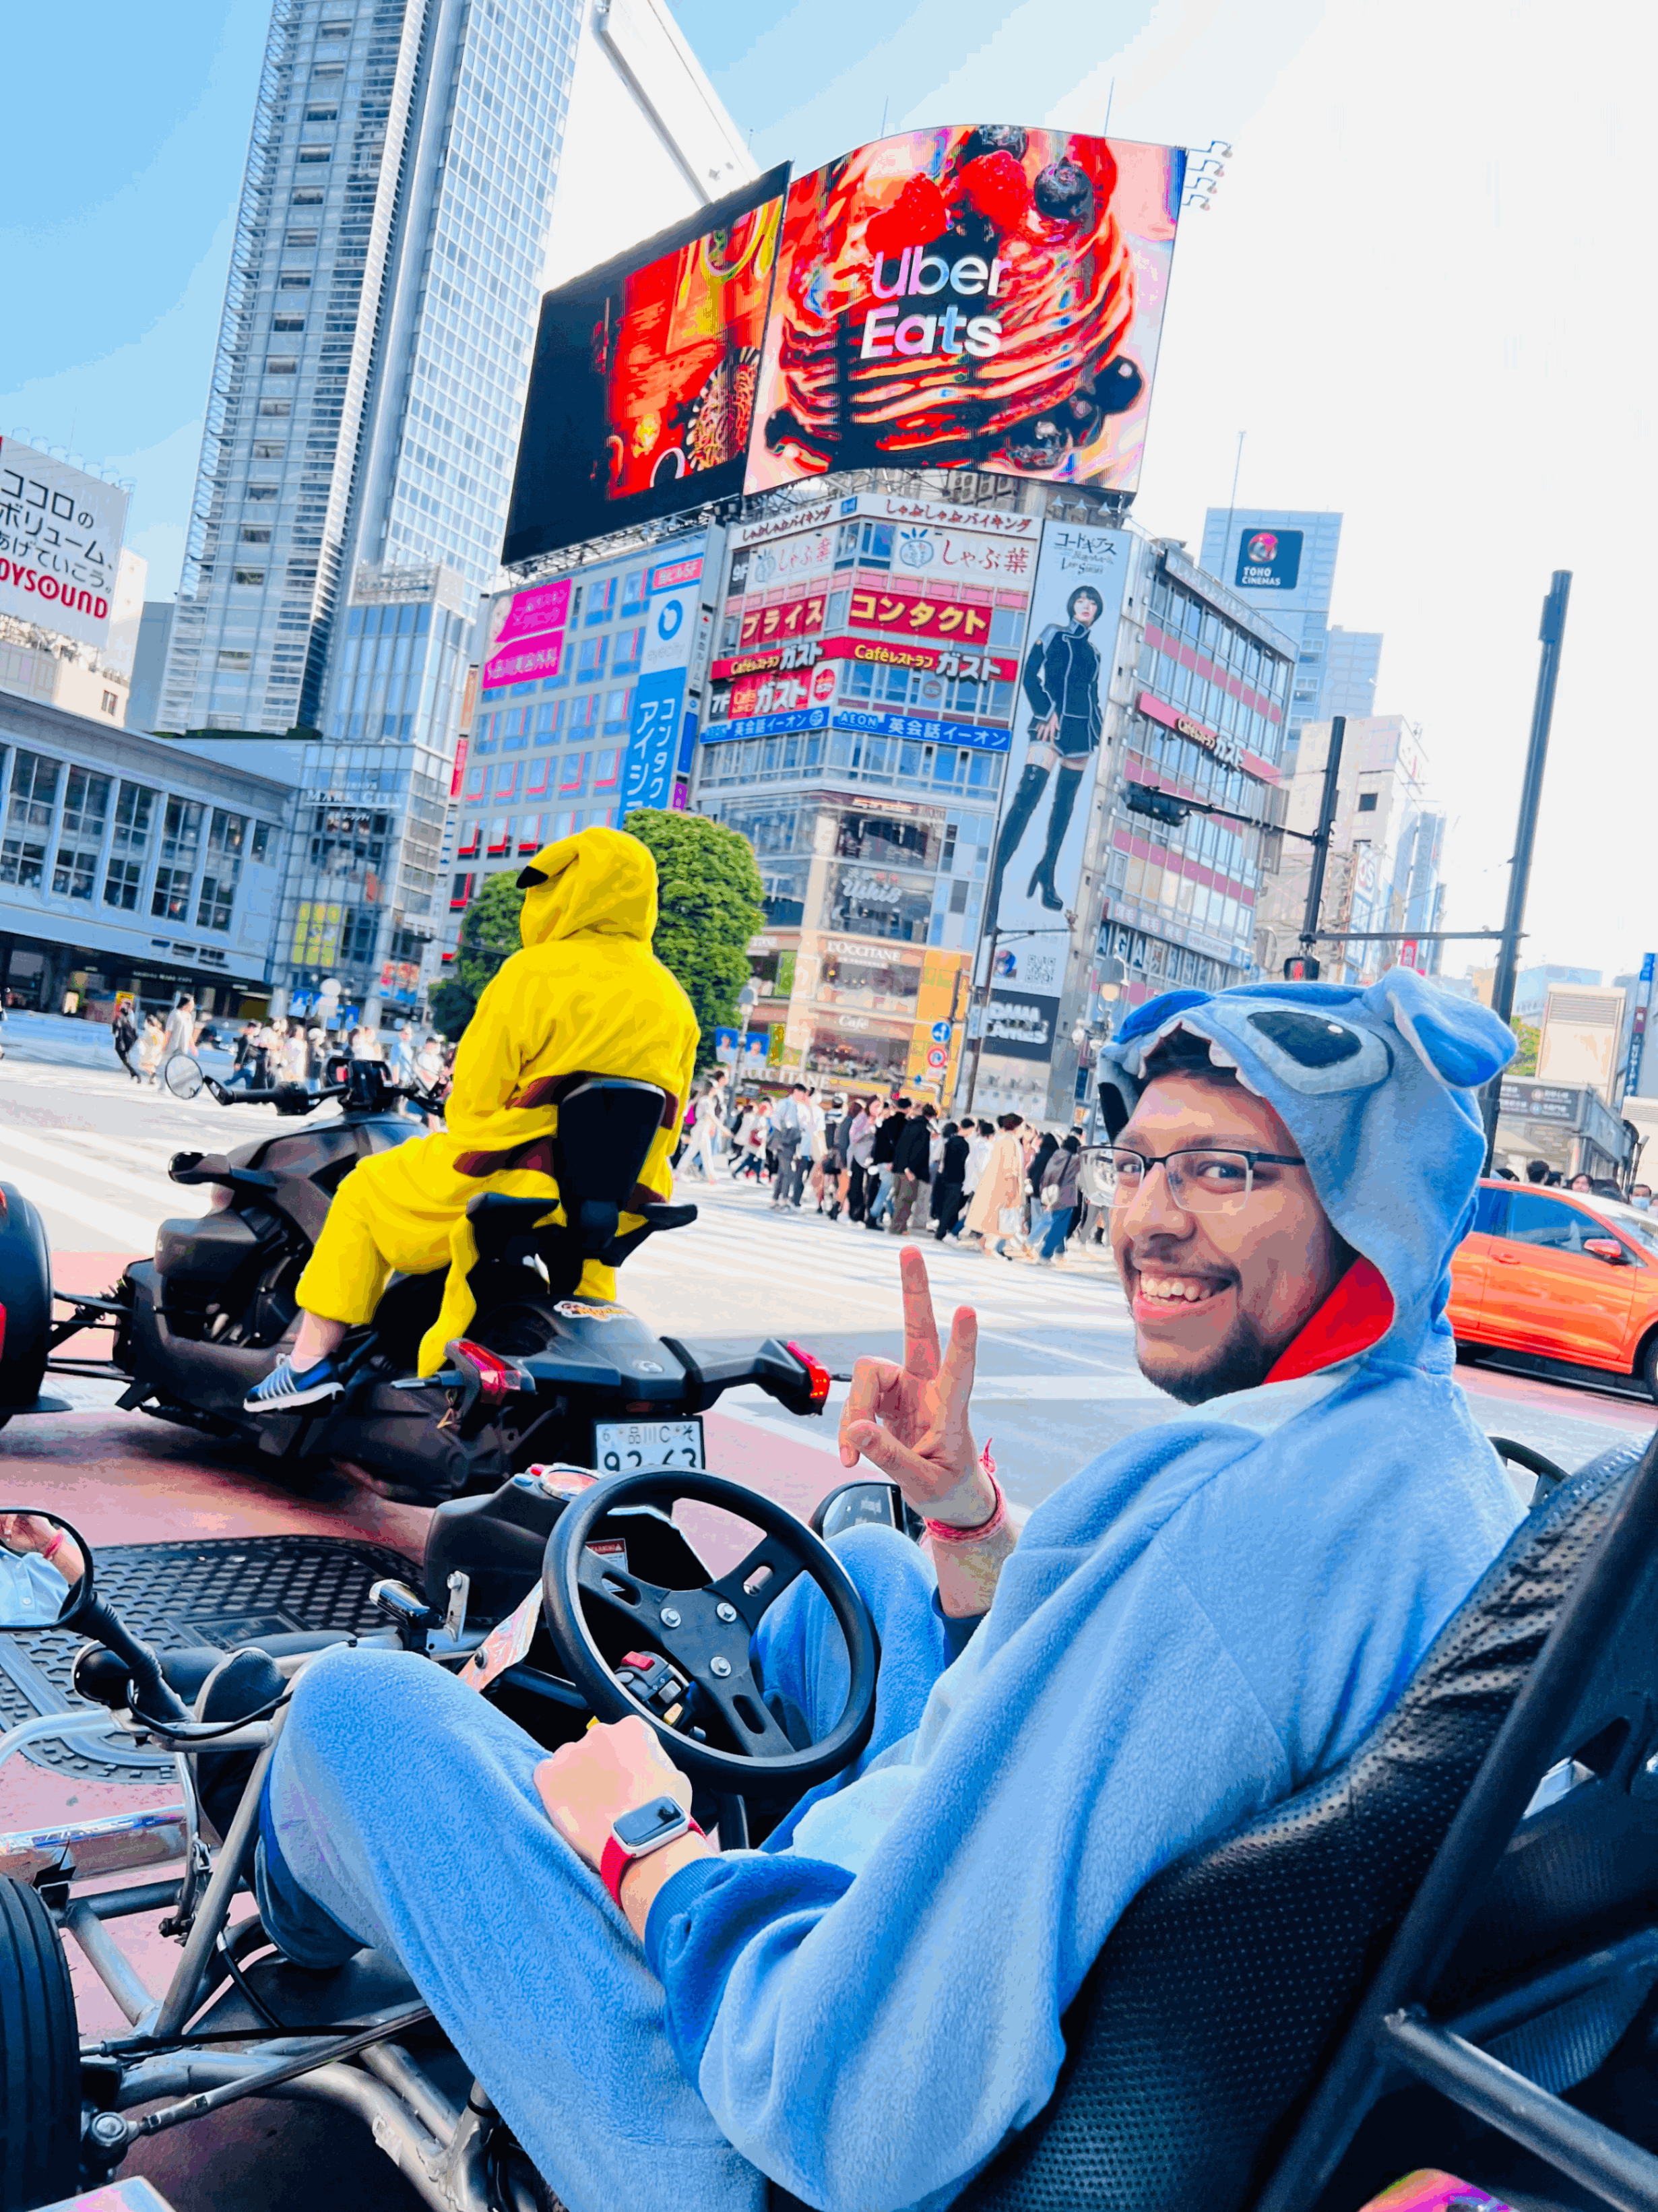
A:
x: 616, y: 1859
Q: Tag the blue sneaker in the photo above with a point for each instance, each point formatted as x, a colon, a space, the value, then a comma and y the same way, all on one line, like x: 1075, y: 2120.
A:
x: 282, y: 1391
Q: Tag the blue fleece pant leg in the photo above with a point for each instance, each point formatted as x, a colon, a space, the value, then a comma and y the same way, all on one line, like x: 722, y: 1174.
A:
x: 400, y: 1809
x: 800, y: 1656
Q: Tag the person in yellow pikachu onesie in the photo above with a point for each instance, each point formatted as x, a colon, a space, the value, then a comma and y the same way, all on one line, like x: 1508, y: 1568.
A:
x: 585, y: 993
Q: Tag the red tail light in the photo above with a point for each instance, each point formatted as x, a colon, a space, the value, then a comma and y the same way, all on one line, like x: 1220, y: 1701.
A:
x: 817, y: 1376
x: 497, y: 1379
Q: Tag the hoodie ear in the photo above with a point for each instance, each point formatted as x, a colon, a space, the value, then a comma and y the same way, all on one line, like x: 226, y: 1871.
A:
x: 1463, y: 1045
x: 528, y: 878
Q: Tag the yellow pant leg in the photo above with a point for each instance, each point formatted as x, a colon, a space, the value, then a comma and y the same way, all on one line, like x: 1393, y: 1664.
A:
x: 395, y: 1210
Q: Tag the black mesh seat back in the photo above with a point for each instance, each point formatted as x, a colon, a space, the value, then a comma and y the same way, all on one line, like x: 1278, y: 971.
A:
x: 606, y: 1125
x: 1230, y: 1979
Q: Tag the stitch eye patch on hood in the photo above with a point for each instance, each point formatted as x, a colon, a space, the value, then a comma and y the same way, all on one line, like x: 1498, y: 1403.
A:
x: 1377, y: 1087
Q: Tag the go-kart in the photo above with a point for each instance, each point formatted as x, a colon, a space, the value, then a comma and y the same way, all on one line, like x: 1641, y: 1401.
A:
x: 1443, y: 1952
x: 545, y: 1374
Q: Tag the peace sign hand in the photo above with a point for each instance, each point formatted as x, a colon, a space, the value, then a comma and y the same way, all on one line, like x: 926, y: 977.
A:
x: 912, y: 1421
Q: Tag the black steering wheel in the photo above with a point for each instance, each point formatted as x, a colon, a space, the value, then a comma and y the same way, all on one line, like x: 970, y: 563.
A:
x: 705, y: 1633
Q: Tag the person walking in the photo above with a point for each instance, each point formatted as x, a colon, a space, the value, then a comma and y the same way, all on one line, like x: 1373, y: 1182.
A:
x: 878, y: 1176
x: 753, y: 1135
x: 124, y: 1035
x: 860, y: 1142
x: 948, y: 1182
x: 789, y: 1126
x: 996, y: 1211
x: 1059, y: 1198
x: 152, y: 1044
x: 911, y: 1163
x: 181, y: 1032
x: 708, y: 1125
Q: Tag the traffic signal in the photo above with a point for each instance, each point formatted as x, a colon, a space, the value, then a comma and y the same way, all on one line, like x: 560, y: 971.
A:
x: 1303, y: 968
x: 1161, y: 805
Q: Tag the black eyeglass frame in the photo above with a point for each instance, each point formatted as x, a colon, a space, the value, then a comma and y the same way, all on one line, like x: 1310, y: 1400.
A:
x: 1148, y: 1161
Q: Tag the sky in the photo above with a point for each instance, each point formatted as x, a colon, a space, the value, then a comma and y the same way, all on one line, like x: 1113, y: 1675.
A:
x: 1422, y: 293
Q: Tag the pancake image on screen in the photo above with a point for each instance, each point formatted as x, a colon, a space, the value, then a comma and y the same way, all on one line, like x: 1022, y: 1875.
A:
x: 988, y: 296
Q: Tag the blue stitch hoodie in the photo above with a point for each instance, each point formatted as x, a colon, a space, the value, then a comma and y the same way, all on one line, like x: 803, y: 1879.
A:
x: 1205, y: 1618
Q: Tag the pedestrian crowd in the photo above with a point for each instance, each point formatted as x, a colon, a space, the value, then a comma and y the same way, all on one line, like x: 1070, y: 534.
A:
x: 893, y: 1166
x: 269, y: 1050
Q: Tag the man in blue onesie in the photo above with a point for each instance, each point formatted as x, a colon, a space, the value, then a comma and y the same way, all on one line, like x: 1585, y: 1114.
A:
x: 1197, y: 1625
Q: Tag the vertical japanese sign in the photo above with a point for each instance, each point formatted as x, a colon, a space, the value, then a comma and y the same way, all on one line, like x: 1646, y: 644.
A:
x: 1070, y: 641
x: 673, y: 586
x: 60, y: 542
x: 1637, y: 1038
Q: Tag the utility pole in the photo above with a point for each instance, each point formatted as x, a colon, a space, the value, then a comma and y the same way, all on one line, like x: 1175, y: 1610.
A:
x: 984, y: 1009
x: 1327, y: 815
x: 1552, y: 630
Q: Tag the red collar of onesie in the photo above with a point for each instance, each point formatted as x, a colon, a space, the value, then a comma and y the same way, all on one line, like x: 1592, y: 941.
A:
x: 1358, y: 1314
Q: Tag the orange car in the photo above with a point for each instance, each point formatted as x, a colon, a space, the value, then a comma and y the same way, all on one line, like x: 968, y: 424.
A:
x: 1561, y: 1275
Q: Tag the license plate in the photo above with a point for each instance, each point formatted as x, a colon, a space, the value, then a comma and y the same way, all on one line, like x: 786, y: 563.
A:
x: 619, y: 1447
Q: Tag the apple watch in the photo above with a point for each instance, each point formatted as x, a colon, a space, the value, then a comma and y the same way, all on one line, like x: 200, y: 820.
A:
x: 636, y: 1833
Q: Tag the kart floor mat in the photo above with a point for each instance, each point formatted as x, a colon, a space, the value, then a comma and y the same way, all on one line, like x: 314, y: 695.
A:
x: 225, y: 1591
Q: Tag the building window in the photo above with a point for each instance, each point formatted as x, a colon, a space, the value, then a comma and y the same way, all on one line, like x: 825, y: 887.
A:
x: 633, y: 591
x: 86, y: 810
x: 110, y: 701
x: 22, y: 862
x: 601, y: 600
x: 590, y: 659
x: 260, y: 845
x: 281, y: 364
x: 226, y: 836
x: 133, y: 810
x: 33, y: 791
x: 250, y: 575
x: 181, y: 837
x: 276, y: 407
x: 629, y: 645
x: 618, y: 707
x: 1367, y: 801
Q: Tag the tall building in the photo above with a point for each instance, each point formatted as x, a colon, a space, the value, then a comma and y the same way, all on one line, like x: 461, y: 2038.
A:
x: 1386, y: 845
x: 398, y: 221
x: 1283, y: 561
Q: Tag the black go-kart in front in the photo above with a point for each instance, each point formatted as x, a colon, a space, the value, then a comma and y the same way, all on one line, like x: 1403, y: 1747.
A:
x: 545, y: 1375
x: 1443, y: 1954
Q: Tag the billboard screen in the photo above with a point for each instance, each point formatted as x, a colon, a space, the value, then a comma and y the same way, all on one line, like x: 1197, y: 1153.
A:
x: 1065, y: 677
x: 987, y: 297
x: 1269, y: 560
x: 641, y: 393
x: 60, y: 542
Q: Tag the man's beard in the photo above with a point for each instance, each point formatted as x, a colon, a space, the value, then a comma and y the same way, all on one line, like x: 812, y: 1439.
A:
x: 1240, y: 1361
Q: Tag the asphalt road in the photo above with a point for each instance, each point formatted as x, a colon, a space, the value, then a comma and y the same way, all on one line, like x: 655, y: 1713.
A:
x: 1057, y: 1379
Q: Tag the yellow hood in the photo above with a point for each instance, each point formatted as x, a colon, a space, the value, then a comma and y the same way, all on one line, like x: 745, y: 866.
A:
x: 600, y: 880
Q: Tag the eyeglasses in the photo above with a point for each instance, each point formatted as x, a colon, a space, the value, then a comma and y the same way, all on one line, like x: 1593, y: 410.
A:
x: 1202, y: 1179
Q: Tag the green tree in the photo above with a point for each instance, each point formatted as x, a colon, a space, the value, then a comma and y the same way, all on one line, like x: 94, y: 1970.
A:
x: 1525, y: 1060
x: 710, y: 895
x: 489, y: 935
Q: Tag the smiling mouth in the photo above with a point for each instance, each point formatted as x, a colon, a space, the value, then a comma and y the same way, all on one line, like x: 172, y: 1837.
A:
x: 1156, y: 1294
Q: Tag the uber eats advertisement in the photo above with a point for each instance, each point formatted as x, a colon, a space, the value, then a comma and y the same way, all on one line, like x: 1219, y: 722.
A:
x: 984, y: 295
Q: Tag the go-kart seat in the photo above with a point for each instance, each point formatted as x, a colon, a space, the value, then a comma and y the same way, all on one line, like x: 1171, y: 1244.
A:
x: 1427, y: 1913
x: 606, y: 1126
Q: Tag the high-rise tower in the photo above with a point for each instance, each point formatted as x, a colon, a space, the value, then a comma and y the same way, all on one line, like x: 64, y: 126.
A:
x: 391, y: 245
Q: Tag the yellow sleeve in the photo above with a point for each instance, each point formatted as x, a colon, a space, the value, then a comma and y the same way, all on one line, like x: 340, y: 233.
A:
x: 491, y: 1058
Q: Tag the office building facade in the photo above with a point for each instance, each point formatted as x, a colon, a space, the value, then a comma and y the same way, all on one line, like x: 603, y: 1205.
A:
x: 129, y: 864
x: 392, y: 242
x: 1282, y: 560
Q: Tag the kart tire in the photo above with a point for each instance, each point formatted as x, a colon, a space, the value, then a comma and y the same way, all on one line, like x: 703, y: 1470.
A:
x: 26, y: 1300
x: 1649, y: 1368
x: 39, y: 2057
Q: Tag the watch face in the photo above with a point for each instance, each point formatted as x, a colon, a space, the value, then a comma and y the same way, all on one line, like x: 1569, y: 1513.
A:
x: 663, y: 1818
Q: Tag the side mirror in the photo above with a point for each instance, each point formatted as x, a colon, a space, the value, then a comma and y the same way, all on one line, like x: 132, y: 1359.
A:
x: 1606, y: 1248
x: 182, y: 1076
x: 862, y: 1504
x: 45, y: 1571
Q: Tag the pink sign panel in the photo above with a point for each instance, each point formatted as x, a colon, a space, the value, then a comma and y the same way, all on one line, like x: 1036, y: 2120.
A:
x: 529, y: 644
